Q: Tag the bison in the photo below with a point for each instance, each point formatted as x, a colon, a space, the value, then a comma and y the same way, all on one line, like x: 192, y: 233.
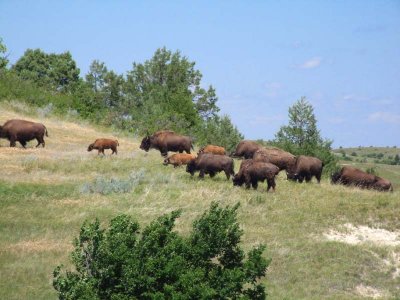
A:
x: 305, y: 167
x: 179, y: 159
x: 280, y: 158
x: 23, y: 131
x: 251, y: 172
x: 217, y: 150
x: 245, y: 149
x: 165, y: 141
x: 352, y: 176
x: 101, y: 144
x: 211, y: 164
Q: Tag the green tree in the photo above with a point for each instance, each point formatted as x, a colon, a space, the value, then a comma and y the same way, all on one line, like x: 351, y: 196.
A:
x: 54, y: 71
x: 168, y: 86
x: 3, y: 56
x: 96, y: 75
x: 301, y: 135
x: 120, y: 262
x: 219, y: 131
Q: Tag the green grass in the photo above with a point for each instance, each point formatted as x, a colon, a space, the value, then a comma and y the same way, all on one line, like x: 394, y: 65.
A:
x: 42, y: 209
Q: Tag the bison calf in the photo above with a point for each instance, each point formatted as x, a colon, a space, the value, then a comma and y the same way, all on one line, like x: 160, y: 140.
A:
x: 101, y: 144
x: 211, y: 164
x: 251, y: 172
x: 179, y: 159
x: 217, y: 150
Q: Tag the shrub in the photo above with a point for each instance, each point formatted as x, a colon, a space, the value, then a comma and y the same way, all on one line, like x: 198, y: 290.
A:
x: 372, y: 170
x: 120, y: 262
x: 104, y: 186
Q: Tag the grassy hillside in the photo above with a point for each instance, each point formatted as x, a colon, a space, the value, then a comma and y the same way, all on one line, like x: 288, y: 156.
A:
x: 377, y: 155
x: 44, y: 201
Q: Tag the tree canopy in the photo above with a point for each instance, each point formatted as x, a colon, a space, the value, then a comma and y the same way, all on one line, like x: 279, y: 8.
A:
x: 55, y: 71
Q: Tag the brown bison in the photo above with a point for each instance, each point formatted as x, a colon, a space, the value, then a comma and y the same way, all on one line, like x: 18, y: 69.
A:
x: 280, y: 158
x: 23, y: 131
x: 165, y: 141
x: 179, y: 159
x: 217, y: 150
x: 305, y: 167
x: 102, y: 144
x: 352, y: 176
x: 251, y: 172
x: 211, y: 164
x: 245, y: 149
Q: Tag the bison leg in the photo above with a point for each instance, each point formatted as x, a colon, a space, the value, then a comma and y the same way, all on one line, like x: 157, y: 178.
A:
x: 318, y: 176
x: 254, y: 184
x: 114, y: 150
x: 23, y: 143
x: 212, y: 174
x: 308, y: 178
x: 40, y: 141
x: 271, y: 183
x: 13, y: 141
x: 201, y: 175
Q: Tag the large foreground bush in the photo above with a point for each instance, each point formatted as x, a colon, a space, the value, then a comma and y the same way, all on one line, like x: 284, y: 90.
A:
x: 120, y: 262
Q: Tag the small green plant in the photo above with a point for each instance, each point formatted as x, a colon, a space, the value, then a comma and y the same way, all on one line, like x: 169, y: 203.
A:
x: 120, y: 262
x: 372, y: 170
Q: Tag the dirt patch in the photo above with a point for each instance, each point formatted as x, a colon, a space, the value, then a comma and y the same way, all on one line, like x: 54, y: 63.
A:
x: 368, y: 291
x: 354, y: 235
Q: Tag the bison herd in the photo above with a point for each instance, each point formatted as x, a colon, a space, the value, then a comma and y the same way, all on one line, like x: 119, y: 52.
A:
x: 259, y: 163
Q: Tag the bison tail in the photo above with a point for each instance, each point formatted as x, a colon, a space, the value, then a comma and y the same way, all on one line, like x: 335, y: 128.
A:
x: 45, y: 130
x: 117, y: 142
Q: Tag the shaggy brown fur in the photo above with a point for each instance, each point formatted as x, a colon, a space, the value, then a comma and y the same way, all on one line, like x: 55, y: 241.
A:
x: 165, y: 141
x: 102, y: 144
x: 23, y: 131
x: 245, y: 149
x: 251, y: 172
x: 217, y: 150
x: 280, y: 158
x: 179, y: 159
x: 211, y: 164
x: 305, y: 167
x: 352, y: 176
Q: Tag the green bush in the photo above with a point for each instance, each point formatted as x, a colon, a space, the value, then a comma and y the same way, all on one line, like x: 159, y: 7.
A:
x: 120, y: 262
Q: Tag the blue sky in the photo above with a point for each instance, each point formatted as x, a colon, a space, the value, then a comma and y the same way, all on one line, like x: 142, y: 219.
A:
x: 261, y: 56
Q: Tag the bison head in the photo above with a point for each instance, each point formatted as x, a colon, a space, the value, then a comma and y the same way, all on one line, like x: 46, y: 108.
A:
x: 145, y: 144
x: 238, y: 180
x: 90, y: 148
x: 382, y: 184
x: 291, y: 176
x: 166, y: 162
x: 191, y: 167
x: 335, y: 177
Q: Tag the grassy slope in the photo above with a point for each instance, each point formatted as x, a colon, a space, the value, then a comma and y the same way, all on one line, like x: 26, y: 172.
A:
x: 42, y: 210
